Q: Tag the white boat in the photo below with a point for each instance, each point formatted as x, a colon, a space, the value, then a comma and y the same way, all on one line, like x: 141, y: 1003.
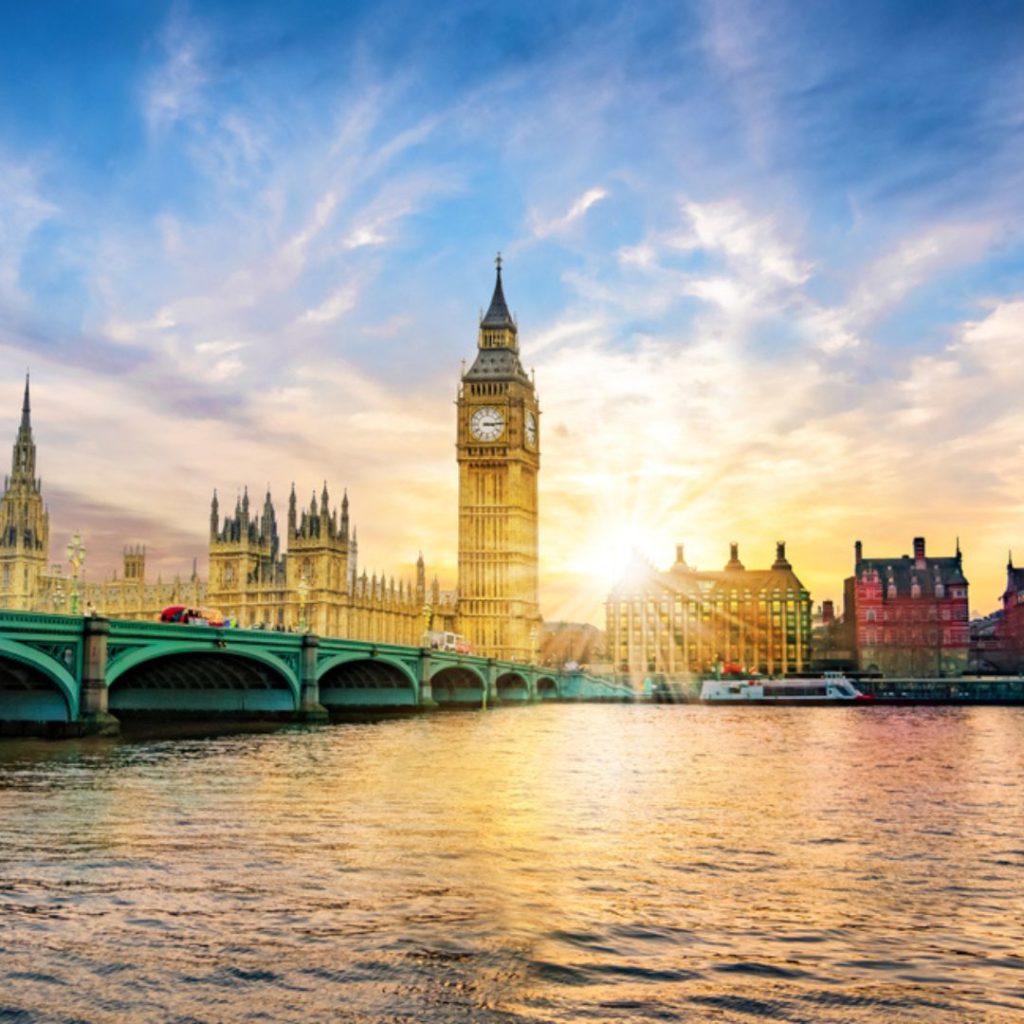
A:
x: 831, y: 688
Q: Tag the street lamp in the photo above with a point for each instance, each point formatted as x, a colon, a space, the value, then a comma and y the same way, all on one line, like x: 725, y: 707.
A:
x: 58, y: 594
x: 302, y: 588
x: 76, y: 558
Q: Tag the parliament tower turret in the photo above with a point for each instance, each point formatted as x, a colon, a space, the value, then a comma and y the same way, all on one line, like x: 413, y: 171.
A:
x: 24, y: 522
x: 499, y: 458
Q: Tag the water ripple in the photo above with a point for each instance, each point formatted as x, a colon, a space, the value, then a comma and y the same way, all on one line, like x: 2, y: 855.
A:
x: 552, y: 864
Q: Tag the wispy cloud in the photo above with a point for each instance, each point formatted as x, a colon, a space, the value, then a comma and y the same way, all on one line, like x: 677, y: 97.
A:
x: 173, y: 90
x: 545, y: 228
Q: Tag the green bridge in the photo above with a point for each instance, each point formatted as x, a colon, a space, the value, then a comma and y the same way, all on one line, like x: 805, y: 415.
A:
x: 74, y: 675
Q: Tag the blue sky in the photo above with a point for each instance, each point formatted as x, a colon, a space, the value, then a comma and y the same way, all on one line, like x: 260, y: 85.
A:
x: 766, y: 260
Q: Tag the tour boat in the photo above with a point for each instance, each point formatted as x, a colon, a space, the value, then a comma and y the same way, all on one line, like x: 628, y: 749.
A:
x: 831, y: 688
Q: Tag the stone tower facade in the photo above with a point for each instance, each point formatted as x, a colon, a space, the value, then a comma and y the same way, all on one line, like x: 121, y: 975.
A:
x: 24, y: 523
x: 499, y: 458
x: 316, y: 584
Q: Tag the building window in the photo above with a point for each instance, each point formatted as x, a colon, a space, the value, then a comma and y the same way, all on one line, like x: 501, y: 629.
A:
x: 870, y: 615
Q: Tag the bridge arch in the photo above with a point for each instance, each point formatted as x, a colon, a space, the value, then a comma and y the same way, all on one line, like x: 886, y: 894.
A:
x: 460, y: 684
x: 193, y: 677
x: 547, y: 688
x: 34, y: 687
x: 512, y: 687
x: 358, y: 680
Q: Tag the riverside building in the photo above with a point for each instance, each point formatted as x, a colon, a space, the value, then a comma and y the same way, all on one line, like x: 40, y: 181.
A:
x: 908, y: 614
x: 316, y: 585
x: 686, y: 620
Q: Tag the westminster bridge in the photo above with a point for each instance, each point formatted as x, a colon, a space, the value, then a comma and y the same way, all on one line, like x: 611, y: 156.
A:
x: 74, y: 675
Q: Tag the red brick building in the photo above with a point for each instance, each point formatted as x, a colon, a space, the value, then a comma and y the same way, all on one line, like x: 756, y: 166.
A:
x: 998, y: 640
x: 908, y: 615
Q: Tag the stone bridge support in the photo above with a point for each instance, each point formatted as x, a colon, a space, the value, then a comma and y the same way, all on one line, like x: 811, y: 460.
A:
x: 491, y: 689
x: 310, y: 708
x: 426, y: 690
x: 94, y: 718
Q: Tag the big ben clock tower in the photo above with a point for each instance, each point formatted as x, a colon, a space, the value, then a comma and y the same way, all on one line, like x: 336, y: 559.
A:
x: 499, y: 457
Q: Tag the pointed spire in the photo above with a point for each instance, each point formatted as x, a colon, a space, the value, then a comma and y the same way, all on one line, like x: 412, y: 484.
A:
x: 26, y: 409
x: 497, y: 314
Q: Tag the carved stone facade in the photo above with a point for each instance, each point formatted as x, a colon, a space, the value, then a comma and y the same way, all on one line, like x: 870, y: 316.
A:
x: 316, y: 585
x: 130, y: 595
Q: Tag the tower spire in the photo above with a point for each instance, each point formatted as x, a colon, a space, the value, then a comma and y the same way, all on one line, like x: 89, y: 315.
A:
x: 23, y: 464
x: 497, y: 314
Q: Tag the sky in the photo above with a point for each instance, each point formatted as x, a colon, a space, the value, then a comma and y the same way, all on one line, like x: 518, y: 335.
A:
x: 766, y: 260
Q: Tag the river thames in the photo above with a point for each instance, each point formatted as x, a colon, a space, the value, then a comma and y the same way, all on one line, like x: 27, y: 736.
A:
x: 553, y: 863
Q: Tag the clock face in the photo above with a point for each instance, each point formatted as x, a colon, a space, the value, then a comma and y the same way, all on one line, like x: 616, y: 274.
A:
x: 487, y: 424
x: 531, y: 429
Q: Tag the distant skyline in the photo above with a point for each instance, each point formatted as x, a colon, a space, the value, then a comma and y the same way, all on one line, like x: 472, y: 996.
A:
x: 766, y: 260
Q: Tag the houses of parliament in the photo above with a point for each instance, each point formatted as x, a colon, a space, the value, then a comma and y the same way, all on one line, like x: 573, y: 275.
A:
x: 307, y: 575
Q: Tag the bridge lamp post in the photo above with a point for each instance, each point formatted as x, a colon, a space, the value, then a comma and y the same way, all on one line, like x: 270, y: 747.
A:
x: 302, y: 589
x: 58, y: 595
x: 76, y: 558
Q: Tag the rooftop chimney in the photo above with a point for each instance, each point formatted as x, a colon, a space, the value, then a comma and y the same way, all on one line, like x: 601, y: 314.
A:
x: 919, y: 552
x: 858, y: 552
x: 734, y: 557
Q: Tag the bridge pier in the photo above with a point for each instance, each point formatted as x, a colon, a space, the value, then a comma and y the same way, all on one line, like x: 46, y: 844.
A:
x: 491, y: 686
x: 94, y: 718
x: 310, y: 708
x: 427, y: 701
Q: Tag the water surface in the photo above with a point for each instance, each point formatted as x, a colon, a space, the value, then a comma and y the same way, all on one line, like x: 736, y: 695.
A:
x: 554, y: 863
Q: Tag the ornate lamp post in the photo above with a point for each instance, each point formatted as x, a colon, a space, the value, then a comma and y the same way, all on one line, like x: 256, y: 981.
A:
x: 76, y: 558
x: 58, y: 595
x: 302, y: 589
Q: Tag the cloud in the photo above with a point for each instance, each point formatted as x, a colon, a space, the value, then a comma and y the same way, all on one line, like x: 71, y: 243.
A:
x: 335, y: 305
x: 173, y: 90
x: 23, y: 208
x: 541, y: 228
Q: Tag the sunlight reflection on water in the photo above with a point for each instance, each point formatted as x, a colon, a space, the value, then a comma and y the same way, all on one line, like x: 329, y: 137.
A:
x: 554, y: 863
